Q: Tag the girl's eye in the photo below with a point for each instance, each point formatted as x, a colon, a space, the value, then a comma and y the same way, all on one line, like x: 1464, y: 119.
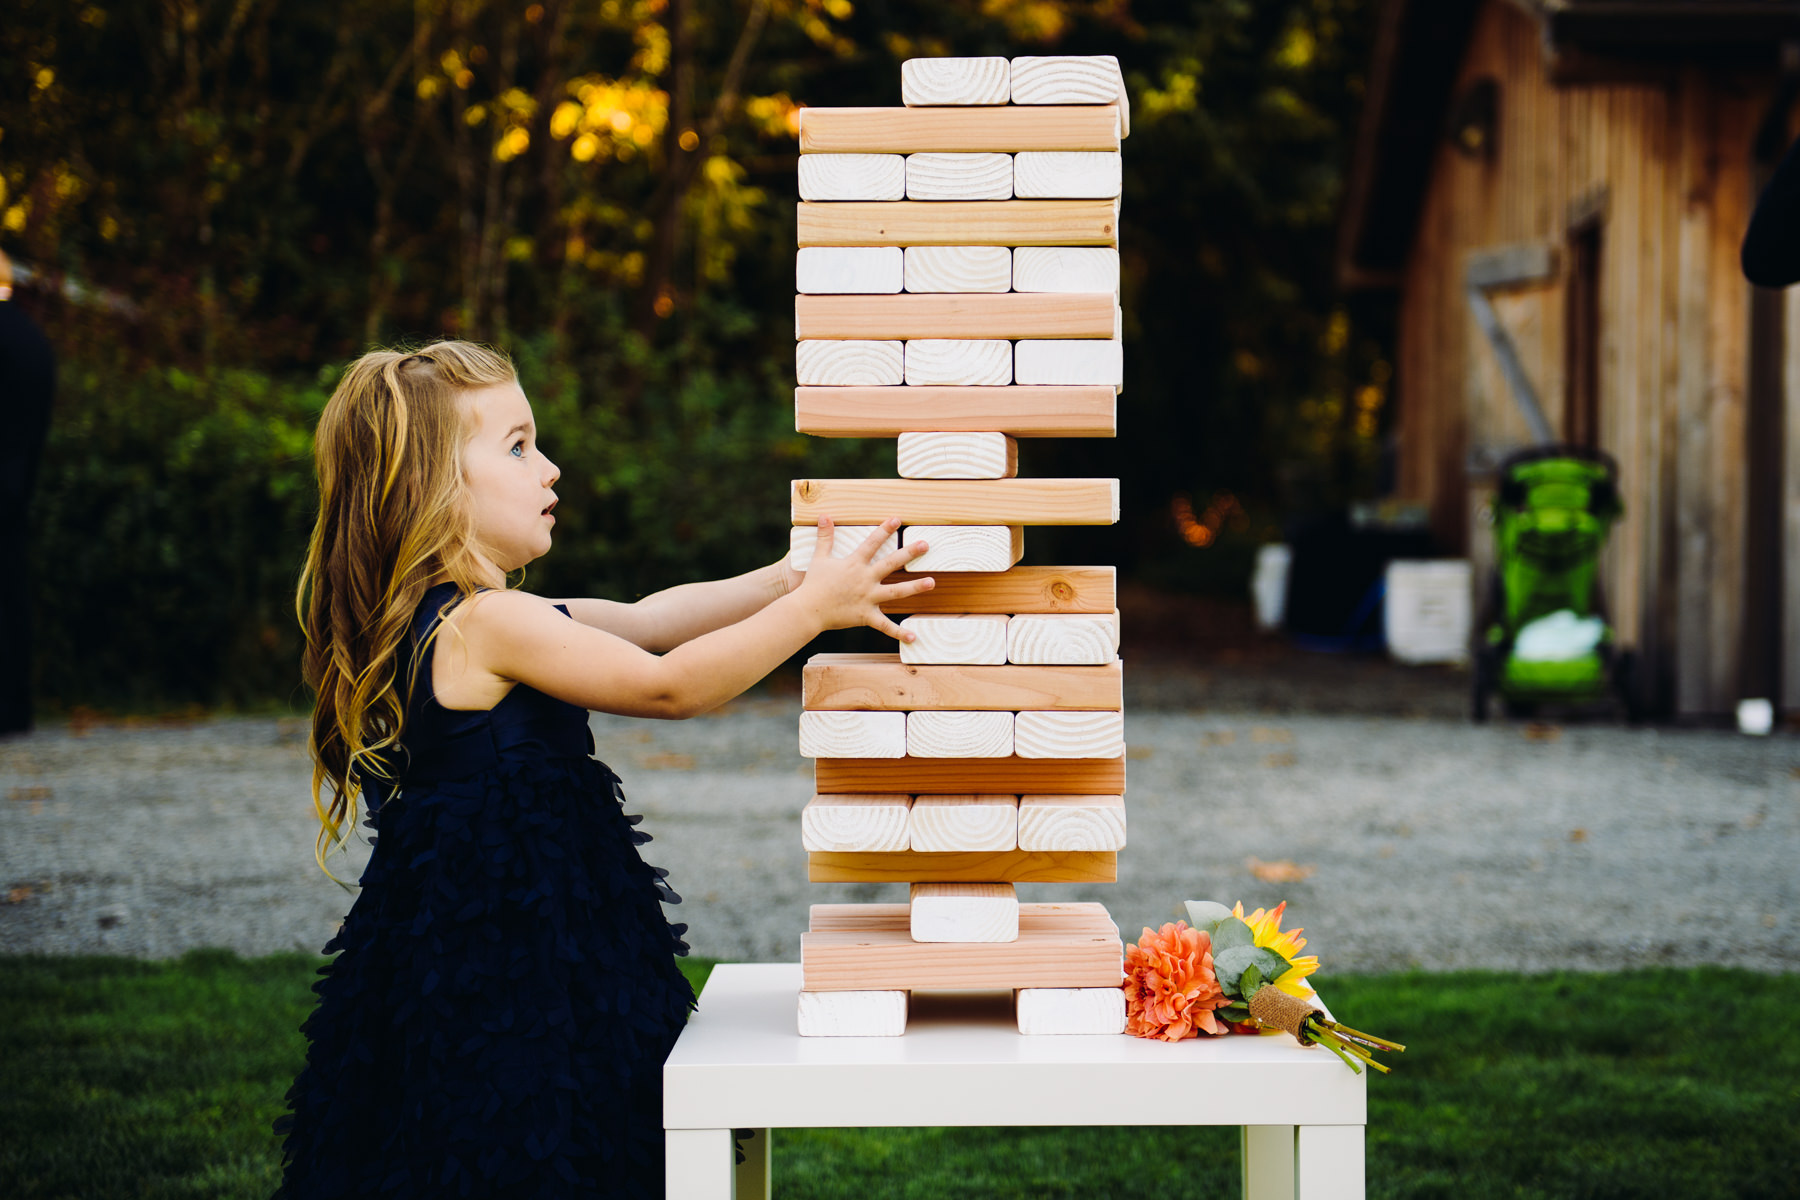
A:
x: 518, y: 449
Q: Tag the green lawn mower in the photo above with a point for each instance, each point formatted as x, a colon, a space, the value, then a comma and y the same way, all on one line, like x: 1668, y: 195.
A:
x: 1544, y: 637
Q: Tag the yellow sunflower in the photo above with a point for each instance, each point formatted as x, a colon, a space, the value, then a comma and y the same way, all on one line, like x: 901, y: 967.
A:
x: 1265, y: 928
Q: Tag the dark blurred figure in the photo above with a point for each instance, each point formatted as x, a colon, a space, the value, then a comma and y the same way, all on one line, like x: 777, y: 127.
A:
x: 1771, y: 251
x: 27, y: 386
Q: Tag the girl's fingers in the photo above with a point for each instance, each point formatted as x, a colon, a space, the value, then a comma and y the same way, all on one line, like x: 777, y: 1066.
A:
x: 872, y: 544
x: 880, y: 621
x: 901, y: 559
x: 901, y: 591
x: 827, y: 534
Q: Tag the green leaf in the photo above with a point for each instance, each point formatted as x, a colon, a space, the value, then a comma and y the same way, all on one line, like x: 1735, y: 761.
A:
x: 1231, y: 932
x: 1231, y: 965
x: 1206, y: 915
x: 1250, y: 980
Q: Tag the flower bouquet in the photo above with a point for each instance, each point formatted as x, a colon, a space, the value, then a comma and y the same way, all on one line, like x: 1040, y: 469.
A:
x: 1230, y: 973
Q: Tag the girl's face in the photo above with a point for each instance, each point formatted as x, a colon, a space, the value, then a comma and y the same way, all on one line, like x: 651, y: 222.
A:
x: 508, y: 478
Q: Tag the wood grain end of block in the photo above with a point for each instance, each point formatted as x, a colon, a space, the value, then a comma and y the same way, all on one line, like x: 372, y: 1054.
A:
x: 1069, y: 735
x: 965, y: 823
x: 959, y: 176
x: 963, y: 912
x: 849, y: 270
x: 803, y: 542
x: 1070, y: 1011
x: 852, y: 177
x: 951, y: 733
x: 958, y: 269
x: 966, y: 638
x: 1071, y: 823
x: 1067, y: 175
x: 956, y: 456
x: 1066, y: 639
x: 822, y: 362
x: 855, y: 823
x: 852, y: 734
x: 852, y: 1014
x: 955, y: 548
x: 945, y: 362
x: 955, y: 81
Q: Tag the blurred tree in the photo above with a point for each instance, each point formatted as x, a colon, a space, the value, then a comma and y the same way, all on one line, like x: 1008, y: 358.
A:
x: 605, y: 187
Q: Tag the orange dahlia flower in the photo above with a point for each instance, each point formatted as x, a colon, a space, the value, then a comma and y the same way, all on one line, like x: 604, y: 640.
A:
x: 1170, y: 988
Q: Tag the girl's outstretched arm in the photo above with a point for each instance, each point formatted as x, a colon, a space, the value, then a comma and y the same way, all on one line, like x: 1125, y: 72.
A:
x: 664, y: 620
x: 498, y: 639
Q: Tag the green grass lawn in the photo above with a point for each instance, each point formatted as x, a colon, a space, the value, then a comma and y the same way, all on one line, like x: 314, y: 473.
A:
x: 127, y: 1079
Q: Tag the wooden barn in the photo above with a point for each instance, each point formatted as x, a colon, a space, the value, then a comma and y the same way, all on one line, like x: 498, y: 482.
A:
x: 1557, y: 190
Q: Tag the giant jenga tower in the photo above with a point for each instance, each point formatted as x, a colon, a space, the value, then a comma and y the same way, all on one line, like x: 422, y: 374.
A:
x: 958, y: 276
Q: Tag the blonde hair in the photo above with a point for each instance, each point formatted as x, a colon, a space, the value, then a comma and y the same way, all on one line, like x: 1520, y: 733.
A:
x: 392, y: 521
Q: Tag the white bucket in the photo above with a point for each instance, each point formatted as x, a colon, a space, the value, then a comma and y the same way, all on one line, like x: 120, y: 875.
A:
x: 1268, y: 585
x: 1426, y: 612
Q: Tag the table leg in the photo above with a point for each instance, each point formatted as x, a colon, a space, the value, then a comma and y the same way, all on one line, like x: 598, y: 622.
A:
x: 1268, y: 1161
x: 699, y: 1164
x: 753, y: 1173
x: 1328, y: 1162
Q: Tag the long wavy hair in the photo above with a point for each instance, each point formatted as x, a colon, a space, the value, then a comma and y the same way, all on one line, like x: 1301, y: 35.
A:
x: 392, y: 522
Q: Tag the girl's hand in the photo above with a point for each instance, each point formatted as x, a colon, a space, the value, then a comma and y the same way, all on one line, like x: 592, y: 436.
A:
x: 845, y: 592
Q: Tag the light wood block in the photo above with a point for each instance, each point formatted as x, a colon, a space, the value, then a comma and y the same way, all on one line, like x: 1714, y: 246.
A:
x: 925, y: 81
x: 957, y: 501
x: 865, y: 947
x: 1067, y: 639
x: 855, y: 363
x: 852, y: 176
x: 1066, y: 269
x: 959, y: 177
x: 1093, y: 361
x: 1068, y: 734
x: 937, y: 734
x: 881, y: 682
x: 939, y: 455
x: 963, y: 912
x: 1072, y: 79
x: 1020, y: 590
x: 1067, y: 175
x: 852, y: 735
x: 957, y: 130
x: 952, y: 362
x: 966, y: 547
x: 1005, y: 315
x: 1071, y: 822
x: 963, y: 638
x: 853, y: 1014
x: 958, y: 268
x: 849, y: 270
x: 803, y: 542
x: 950, y: 776
x: 946, y: 824
x: 1018, y: 412
x: 1010, y: 866
x: 1070, y: 1011
x: 869, y: 821
x: 959, y: 223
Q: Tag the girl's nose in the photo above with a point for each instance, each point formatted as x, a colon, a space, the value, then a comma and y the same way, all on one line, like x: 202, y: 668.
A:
x: 552, y: 473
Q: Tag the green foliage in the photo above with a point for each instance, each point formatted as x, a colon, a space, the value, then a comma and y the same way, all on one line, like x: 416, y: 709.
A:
x: 258, y: 191
x: 124, y: 1079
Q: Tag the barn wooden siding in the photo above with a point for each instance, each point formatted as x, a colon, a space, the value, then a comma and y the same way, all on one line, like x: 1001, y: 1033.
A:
x: 1665, y: 169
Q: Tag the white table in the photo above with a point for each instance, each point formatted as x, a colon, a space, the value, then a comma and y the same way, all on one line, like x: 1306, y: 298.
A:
x: 740, y: 1064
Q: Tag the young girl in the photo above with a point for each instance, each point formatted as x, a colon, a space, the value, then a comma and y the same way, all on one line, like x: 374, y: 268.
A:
x: 504, y: 990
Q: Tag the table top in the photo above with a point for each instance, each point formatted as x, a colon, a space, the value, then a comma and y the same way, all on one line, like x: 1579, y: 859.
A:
x: 741, y: 1063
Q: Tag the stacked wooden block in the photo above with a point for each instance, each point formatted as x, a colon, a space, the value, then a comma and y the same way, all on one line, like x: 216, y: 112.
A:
x: 958, y: 276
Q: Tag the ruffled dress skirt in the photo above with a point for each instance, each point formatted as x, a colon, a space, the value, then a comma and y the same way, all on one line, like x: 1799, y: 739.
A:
x: 502, y: 999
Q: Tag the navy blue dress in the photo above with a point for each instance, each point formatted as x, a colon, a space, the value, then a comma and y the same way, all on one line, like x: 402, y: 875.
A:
x: 504, y: 991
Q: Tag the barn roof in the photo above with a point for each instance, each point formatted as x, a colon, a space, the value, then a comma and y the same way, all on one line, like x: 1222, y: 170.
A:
x: 1419, y: 49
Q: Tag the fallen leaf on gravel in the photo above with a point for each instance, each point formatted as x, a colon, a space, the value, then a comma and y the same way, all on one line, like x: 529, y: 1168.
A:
x: 1283, y: 759
x: 667, y: 762
x: 1578, y: 835
x: 1139, y: 751
x: 1768, y: 920
x: 1539, y: 731
x: 1224, y: 737
x: 19, y: 894
x: 28, y: 793
x: 1280, y: 871
x: 1262, y: 733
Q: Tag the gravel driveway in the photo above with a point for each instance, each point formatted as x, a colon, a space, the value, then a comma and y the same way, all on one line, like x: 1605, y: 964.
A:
x: 1399, y: 841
